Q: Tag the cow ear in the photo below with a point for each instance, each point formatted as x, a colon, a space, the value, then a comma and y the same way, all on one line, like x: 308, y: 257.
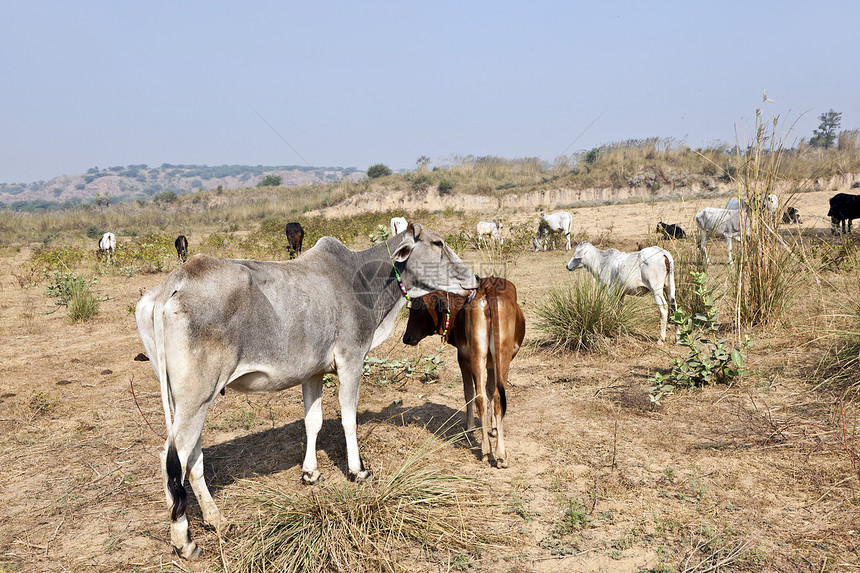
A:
x: 404, y: 250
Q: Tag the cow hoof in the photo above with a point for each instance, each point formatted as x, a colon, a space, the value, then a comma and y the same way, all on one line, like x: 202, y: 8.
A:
x: 493, y: 433
x: 359, y: 477
x: 485, y: 458
x: 312, y: 478
x: 501, y: 463
x: 189, y: 551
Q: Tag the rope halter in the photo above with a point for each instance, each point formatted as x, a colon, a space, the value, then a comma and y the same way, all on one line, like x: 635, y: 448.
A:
x: 447, y: 324
x: 396, y: 273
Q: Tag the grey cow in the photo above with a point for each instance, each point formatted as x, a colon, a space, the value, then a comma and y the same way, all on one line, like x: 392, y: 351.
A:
x: 260, y: 327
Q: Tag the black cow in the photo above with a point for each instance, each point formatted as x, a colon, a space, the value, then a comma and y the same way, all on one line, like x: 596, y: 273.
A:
x: 671, y: 231
x: 843, y: 207
x: 181, y: 244
x: 295, y: 236
x: 791, y: 215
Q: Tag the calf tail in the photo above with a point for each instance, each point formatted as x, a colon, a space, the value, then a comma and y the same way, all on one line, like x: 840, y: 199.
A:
x: 174, y: 483
x: 501, y: 378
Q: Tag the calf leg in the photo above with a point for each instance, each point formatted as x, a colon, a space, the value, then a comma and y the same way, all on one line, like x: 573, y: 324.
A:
x: 468, y: 390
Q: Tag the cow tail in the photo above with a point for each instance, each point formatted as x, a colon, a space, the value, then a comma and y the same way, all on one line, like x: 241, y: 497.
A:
x: 493, y: 306
x: 174, y: 482
x: 173, y: 465
x: 670, y: 282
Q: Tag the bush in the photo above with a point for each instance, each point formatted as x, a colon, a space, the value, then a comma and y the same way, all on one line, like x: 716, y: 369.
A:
x: 445, y: 187
x: 75, y: 293
x: 164, y: 197
x: 710, y: 360
x: 585, y: 316
x: 270, y: 181
x: 94, y: 232
x: 378, y: 170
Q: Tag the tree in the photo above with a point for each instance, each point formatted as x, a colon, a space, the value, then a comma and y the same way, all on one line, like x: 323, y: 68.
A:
x: 825, y: 135
x: 378, y: 170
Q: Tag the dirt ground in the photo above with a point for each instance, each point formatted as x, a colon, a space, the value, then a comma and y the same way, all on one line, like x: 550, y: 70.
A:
x: 754, y: 476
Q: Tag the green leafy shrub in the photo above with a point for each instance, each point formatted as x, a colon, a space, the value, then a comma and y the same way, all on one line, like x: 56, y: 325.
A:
x: 710, y: 359
x: 270, y: 181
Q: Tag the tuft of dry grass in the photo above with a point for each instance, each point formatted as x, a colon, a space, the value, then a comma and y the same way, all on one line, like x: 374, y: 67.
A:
x: 586, y: 316
x: 355, y: 527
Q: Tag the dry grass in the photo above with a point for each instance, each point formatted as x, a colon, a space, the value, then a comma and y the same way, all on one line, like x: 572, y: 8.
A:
x: 753, y: 477
x: 350, y: 527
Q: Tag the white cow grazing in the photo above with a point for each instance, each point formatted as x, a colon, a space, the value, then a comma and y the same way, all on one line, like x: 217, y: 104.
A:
x: 651, y: 270
x: 397, y: 225
x: 559, y: 221
x: 723, y: 224
x: 107, y: 245
x: 491, y: 229
x: 771, y: 202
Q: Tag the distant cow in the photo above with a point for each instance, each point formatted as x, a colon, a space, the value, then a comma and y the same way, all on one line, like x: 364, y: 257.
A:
x: 560, y: 221
x: 491, y: 229
x: 791, y: 215
x: 295, y: 236
x: 487, y: 333
x: 770, y: 202
x: 651, y: 270
x: 671, y: 231
x: 843, y: 207
x: 722, y: 223
x: 107, y: 245
x: 181, y: 244
x: 396, y: 226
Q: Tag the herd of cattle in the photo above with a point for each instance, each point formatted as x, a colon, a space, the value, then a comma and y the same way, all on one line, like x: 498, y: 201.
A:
x: 261, y: 327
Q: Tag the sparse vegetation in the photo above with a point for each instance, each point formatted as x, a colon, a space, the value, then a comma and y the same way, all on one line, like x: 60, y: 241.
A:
x: 585, y: 316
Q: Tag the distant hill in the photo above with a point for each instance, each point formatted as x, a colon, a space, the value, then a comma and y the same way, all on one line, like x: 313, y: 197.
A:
x: 142, y: 182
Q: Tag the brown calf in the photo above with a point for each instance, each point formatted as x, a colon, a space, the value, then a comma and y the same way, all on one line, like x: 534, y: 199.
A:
x: 487, y: 333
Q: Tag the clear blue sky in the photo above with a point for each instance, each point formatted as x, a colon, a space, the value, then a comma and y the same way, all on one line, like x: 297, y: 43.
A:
x: 350, y: 84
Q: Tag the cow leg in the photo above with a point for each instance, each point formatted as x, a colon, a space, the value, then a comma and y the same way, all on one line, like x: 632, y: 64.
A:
x: 312, y: 396
x: 703, y: 237
x: 729, y: 248
x: 567, y: 246
x: 664, y: 312
x: 349, y: 385
x: 211, y: 514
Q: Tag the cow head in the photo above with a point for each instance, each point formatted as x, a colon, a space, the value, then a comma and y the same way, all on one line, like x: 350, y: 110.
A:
x: 578, y: 253
x: 427, y: 264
